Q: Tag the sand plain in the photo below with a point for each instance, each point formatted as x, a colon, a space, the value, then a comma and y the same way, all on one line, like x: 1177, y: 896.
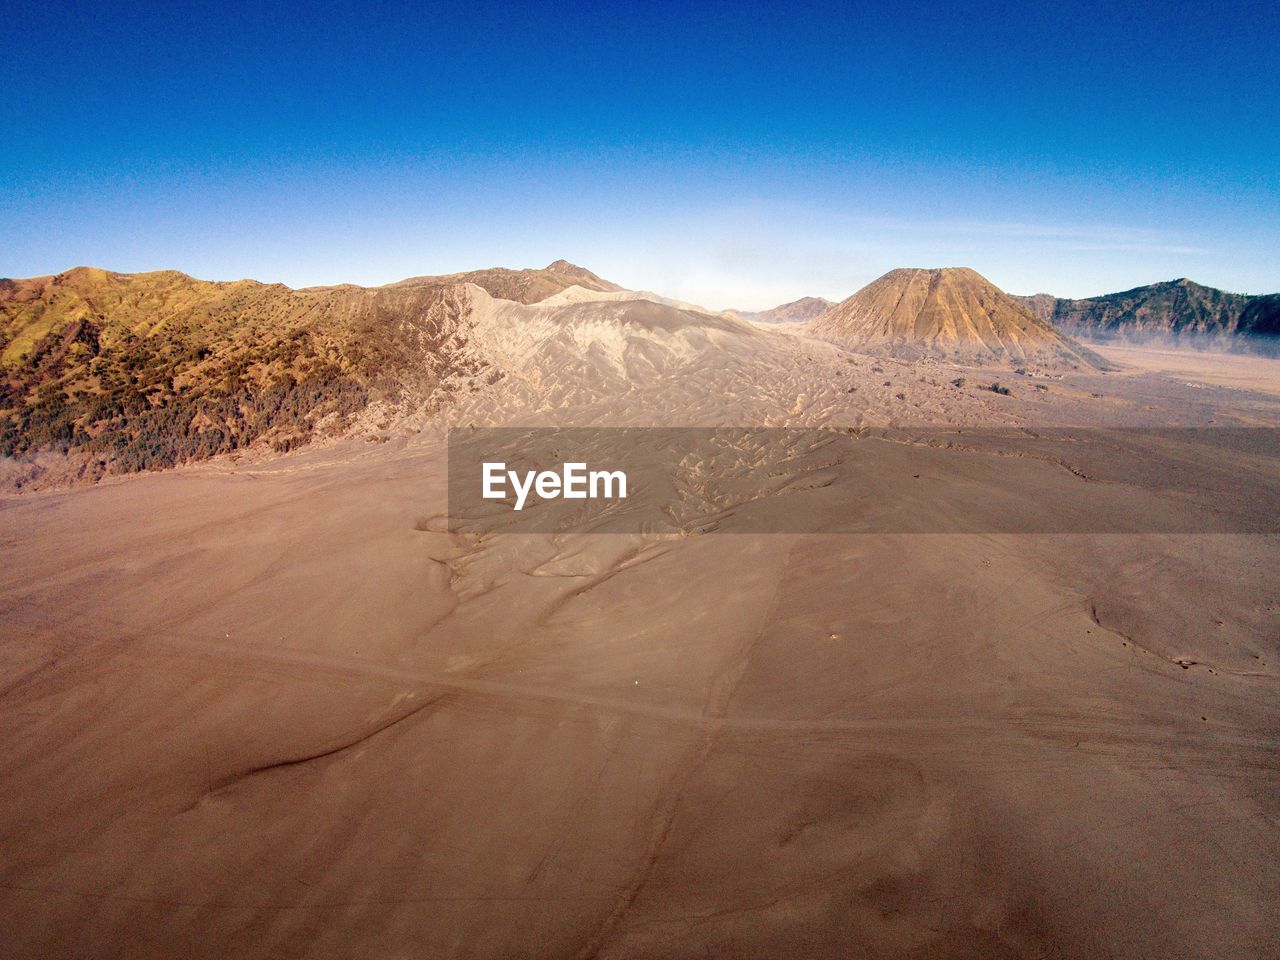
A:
x: 274, y: 709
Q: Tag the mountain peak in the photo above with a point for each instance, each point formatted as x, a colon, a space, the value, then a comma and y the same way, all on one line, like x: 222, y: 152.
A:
x: 966, y: 272
x: 1171, y: 308
x: 524, y: 286
x: 945, y: 311
x: 797, y: 311
x: 580, y: 276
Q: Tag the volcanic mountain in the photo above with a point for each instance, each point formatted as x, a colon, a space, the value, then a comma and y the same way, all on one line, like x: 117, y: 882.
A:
x: 104, y: 372
x: 797, y: 311
x: 948, y: 312
x: 522, y: 286
x: 1177, y: 309
x: 140, y: 371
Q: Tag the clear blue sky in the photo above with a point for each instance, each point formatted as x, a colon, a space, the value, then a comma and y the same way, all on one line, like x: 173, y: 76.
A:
x: 732, y: 154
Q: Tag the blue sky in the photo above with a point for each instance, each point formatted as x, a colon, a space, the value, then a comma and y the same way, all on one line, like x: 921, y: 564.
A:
x: 732, y: 154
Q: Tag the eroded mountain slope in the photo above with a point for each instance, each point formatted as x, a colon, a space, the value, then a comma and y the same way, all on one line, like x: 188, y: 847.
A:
x: 950, y: 312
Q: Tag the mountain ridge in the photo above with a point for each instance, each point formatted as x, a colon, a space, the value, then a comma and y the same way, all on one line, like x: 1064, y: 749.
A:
x: 1178, y: 310
x: 529, y: 285
x: 143, y: 371
x: 125, y: 372
x: 795, y: 311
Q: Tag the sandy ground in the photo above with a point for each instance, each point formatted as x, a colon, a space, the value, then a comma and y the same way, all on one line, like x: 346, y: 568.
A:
x: 273, y: 710
x: 1244, y: 371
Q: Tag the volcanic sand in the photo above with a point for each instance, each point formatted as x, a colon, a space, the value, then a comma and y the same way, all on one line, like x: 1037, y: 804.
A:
x: 275, y: 709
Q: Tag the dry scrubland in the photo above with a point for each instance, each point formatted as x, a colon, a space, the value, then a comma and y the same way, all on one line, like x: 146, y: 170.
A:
x: 270, y: 707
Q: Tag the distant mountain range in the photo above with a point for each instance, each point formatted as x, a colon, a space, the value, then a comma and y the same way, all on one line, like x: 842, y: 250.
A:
x: 1177, y: 311
x: 144, y: 371
x: 797, y: 311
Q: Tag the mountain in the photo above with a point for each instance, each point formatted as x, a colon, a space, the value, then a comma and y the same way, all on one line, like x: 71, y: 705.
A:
x: 138, y: 371
x: 1178, y: 309
x: 797, y: 311
x: 1260, y: 319
x: 581, y: 276
x: 522, y: 286
x: 949, y: 312
x: 118, y: 372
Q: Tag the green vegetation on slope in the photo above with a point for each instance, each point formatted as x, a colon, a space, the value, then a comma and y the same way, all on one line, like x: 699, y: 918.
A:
x: 1178, y: 309
x: 150, y: 370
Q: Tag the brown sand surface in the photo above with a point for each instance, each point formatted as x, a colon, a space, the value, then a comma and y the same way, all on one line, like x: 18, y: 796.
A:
x: 274, y: 710
x: 1242, y: 370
